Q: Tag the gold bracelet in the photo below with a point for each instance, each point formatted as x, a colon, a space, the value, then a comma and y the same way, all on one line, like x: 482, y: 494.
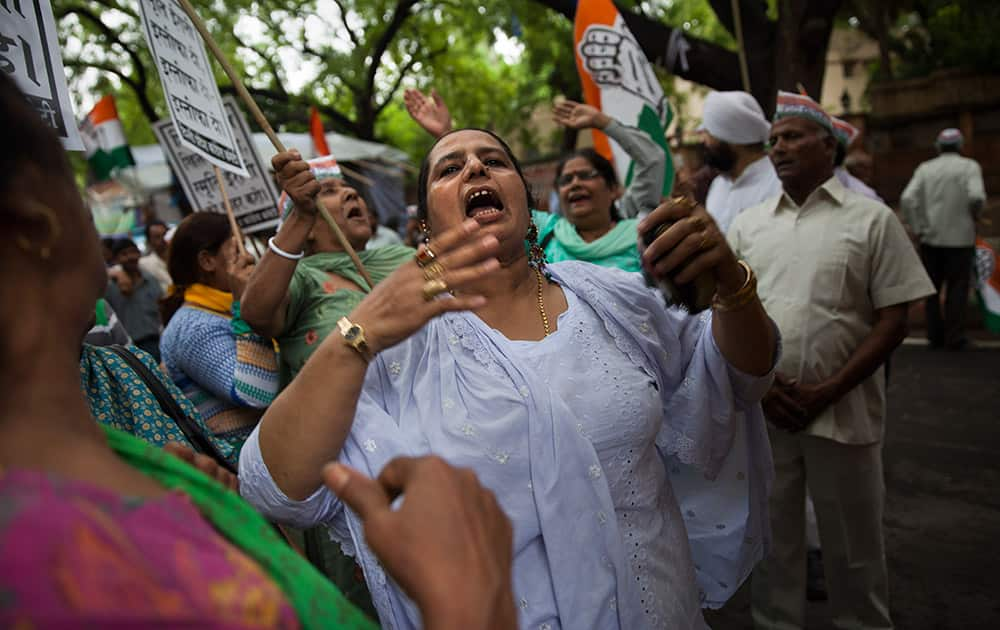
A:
x: 746, y: 293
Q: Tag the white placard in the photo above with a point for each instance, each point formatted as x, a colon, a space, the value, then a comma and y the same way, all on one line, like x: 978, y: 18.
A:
x: 188, y: 84
x: 29, y: 52
x: 253, y: 198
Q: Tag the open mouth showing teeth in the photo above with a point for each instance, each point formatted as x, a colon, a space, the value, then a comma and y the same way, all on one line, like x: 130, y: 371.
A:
x: 482, y: 201
x: 578, y: 195
x: 355, y: 213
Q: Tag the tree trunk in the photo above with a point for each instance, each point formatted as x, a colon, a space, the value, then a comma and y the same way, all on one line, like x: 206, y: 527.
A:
x: 804, y: 29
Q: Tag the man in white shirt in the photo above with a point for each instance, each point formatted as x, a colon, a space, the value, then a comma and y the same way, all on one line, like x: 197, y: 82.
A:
x: 942, y: 204
x: 154, y: 261
x: 735, y: 130
x: 836, y: 272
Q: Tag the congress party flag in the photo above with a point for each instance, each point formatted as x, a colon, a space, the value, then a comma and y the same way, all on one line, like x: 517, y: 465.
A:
x: 104, y: 140
x: 988, y: 284
x: 619, y: 80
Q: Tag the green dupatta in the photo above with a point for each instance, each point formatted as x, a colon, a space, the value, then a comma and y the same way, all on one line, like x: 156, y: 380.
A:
x: 316, y: 601
x: 618, y: 248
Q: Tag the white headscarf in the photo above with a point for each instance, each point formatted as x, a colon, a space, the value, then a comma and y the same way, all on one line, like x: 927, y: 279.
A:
x: 736, y: 118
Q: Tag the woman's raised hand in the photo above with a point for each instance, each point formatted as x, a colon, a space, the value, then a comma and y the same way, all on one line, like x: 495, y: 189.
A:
x: 579, y: 116
x: 402, y: 303
x: 297, y: 179
x: 430, y: 112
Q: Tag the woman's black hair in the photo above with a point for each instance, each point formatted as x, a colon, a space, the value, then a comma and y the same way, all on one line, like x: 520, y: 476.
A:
x: 425, y: 171
x: 199, y: 232
x: 603, y: 167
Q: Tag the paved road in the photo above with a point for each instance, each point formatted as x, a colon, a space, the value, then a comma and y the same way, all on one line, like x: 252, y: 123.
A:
x: 942, y: 459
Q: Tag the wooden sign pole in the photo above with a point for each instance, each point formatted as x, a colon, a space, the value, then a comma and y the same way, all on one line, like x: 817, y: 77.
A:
x: 229, y: 212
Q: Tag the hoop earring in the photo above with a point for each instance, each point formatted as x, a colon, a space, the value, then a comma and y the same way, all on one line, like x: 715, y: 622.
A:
x: 536, y: 255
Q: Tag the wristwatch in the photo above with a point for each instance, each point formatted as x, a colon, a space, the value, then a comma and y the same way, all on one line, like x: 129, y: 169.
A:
x: 354, y: 336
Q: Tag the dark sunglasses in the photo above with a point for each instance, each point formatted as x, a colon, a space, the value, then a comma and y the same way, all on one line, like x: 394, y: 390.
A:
x: 584, y: 176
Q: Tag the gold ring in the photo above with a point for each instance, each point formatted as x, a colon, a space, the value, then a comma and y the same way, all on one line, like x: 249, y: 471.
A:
x: 425, y: 255
x: 434, y: 288
x: 685, y: 202
x: 433, y: 271
x: 706, y: 242
x: 698, y: 223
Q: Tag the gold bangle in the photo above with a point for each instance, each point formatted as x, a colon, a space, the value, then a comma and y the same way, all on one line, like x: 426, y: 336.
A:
x: 746, y: 293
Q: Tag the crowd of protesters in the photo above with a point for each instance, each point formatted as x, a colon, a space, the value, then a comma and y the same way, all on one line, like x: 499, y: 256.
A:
x: 492, y: 421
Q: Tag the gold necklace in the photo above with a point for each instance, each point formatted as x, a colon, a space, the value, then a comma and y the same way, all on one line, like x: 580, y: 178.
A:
x: 541, y: 304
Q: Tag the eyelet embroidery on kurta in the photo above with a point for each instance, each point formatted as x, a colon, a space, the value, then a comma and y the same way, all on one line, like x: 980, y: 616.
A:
x: 395, y: 368
x: 370, y: 446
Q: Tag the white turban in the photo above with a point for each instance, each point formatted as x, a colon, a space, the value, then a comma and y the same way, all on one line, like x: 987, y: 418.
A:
x: 736, y: 118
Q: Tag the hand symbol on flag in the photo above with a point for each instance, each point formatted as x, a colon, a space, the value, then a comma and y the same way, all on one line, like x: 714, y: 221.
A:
x: 614, y: 58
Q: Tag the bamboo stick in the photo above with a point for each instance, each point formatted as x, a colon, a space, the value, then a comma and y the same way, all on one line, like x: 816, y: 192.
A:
x: 258, y: 116
x: 237, y: 234
x: 738, y: 23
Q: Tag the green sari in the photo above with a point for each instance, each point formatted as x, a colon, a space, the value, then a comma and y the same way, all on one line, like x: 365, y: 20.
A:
x: 316, y: 601
x: 315, y: 306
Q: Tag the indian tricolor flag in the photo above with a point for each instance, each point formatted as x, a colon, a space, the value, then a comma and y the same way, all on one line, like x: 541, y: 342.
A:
x: 619, y: 80
x: 104, y: 140
x: 988, y: 284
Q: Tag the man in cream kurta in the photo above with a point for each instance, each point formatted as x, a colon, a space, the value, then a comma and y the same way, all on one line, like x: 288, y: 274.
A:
x: 835, y: 271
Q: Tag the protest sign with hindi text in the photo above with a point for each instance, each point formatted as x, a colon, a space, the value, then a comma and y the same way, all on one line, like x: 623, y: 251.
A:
x: 29, y: 53
x: 189, y: 85
x: 253, y: 198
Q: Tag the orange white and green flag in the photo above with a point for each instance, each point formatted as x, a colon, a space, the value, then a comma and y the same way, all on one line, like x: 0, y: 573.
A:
x: 104, y: 140
x: 988, y: 284
x: 618, y: 79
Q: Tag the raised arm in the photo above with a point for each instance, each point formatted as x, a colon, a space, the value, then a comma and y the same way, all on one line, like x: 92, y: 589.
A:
x: 646, y: 189
x: 309, y: 422
x: 430, y: 111
x: 265, y: 301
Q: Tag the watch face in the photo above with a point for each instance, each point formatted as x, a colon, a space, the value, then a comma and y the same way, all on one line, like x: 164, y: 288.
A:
x: 352, y: 333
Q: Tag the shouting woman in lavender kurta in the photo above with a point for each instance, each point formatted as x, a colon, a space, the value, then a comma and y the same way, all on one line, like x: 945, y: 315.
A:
x: 597, y: 415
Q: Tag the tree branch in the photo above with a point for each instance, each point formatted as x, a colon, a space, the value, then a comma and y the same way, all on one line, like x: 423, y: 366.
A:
x: 402, y: 75
x: 343, y: 19
x: 297, y: 106
x: 268, y: 61
x: 139, y: 83
x: 399, y: 16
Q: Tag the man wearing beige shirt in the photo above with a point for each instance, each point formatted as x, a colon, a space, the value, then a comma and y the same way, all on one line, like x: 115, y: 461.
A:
x: 836, y: 272
x: 941, y: 204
